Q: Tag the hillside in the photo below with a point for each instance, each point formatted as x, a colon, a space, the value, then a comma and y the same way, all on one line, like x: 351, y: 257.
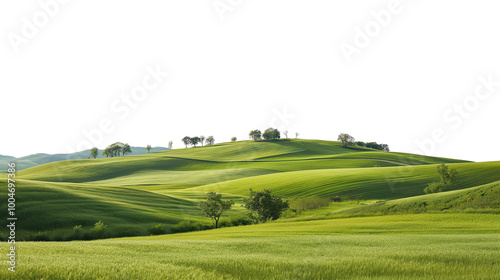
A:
x: 134, y: 192
x: 41, y: 158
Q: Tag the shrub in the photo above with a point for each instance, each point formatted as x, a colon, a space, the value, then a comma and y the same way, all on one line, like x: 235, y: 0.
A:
x: 307, y: 203
x: 448, y: 178
x: 224, y: 223
x: 77, y: 233
x: 335, y: 198
x: 158, y: 229
x: 436, y: 187
x: 186, y: 226
x: 240, y: 221
x: 99, y: 230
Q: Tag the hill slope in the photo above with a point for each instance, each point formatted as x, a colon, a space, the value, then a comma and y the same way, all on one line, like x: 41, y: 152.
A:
x: 41, y: 158
x: 135, y: 192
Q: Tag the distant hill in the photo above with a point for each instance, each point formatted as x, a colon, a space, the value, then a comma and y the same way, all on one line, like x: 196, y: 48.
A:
x: 37, y: 159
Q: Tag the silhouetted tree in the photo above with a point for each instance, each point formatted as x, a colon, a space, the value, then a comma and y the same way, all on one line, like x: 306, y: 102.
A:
x: 195, y: 140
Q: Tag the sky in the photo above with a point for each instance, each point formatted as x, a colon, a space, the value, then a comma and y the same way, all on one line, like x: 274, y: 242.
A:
x: 421, y: 76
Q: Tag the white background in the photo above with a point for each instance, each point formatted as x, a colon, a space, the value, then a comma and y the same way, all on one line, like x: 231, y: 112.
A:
x: 267, y: 63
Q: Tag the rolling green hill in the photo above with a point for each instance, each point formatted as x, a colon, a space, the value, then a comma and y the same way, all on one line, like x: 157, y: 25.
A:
x: 41, y: 158
x: 366, y: 183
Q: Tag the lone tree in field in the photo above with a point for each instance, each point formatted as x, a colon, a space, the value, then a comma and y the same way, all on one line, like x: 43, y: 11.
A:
x: 214, y: 206
x: 148, y: 147
x: 94, y: 152
x: 448, y: 177
x: 186, y: 140
x: 296, y: 135
x: 233, y: 139
x: 271, y: 134
x: 346, y: 139
x: 264, y: 206
x: 195, y: 140
x: 170, y: 144
x: 210, y: 140
x: 255, y: 134
x: 202, y: 139
x: 286, y: 134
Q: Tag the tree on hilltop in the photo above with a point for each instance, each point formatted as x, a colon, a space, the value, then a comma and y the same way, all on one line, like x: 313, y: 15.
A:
x: 186, y: 140
x: 115, y: 149
x: 195, y: 140
x: 255, y: 134
x: 210, y: 140
x: 346, y: 139
x: 125, y: 149
x: 94, y: 152
x: 271, y: 134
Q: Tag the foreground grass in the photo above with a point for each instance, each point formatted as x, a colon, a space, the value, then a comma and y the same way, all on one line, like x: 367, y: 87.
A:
x: 425, y: 246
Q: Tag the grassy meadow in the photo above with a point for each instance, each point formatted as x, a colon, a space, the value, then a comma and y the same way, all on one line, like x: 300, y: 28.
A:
x: 385, y: 227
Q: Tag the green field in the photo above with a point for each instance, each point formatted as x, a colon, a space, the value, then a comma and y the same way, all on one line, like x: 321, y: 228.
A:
x: 426, y: 246
x: 385, y: 228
